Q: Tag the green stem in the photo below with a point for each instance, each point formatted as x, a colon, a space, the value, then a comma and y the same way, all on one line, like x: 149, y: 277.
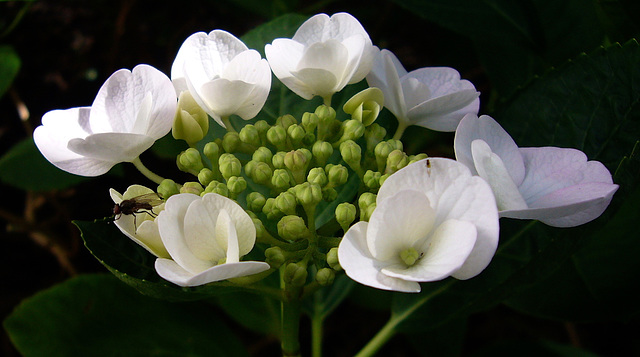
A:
x: 290, y: 316
x: 389, y: 329
x: 317, y: 321
x: 146, y: 172
x: 402, y: 126
x: 227, y: 124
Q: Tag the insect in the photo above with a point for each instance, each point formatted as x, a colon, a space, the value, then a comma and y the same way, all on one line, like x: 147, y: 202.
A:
x: 428, y: 163
x: 139, y: 204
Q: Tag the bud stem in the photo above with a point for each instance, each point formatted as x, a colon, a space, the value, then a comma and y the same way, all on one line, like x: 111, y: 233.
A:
x: 402, y: 126
x: 227, y: 124
x: 146, y: 172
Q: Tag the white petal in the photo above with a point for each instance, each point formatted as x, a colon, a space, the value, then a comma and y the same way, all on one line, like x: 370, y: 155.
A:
x: 449, y: 121
x: 321, y: 27
x: 359, y: 265
x: 485, y: 128
x: 443, y: 105
x: 171, y: 271
x: 404, y: 220
x: 245, y: 229
x: 111, y: 147
x: 228, y: 237
x: 445, y: 252
x: 316, y: 81
x: 385, y: 74
x: 283, y: 56
x: 491, y: 168
x: 223, y: 97
x: 200, y: 233
x: 171, y: 223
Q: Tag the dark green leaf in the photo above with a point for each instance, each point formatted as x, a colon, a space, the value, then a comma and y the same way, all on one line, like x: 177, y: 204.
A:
x: 24, y: 167
x: 135, y: 266
x: 258, y: 313
x: 96, y: 315
x: 9, y: 67
x: 523, y: 348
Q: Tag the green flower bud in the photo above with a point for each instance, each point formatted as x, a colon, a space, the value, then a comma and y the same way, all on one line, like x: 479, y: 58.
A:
x: 191, y: 122
x: 383, y: 178
x: 345, y: 215
x: 190, y: 161
x: 309, y: 139
x: 205, y: 176
x: 229, y: 165
x: 325, y: 276
x: 281, y: 179
x: 351, y: 130
x: 329, y: 194
x: 366, y: 215
x: 365, y: 200
x: 373, y: 135
x: 325, y: 113
x: 261, y: 173
x: 255, y: 201
x: 382, y: 151
x: 212, y: 152
x: 262, y: 154
x: 275, y: 257
x: 249, y: 135
x: 231, y: 142
x: 192, y: 187
x: 322, y: 150
x: 249, y: 167
x: 260, y: 230
x: 415, y: 158
x: 236, y: 184
x: 296, y: 133
x: 292, y: 228
x: 365, y: 106
x: 372, y: 179
x: 286, y: 202
x: 317, y: 176
x: 217, y: 187
x: 262, y: 126
x: 286, y: 121
x: 296, y: 161
x: 309, y: 122
x: 308, y: 193
x: 338, y: 175
x: 395, y: 144
x: 270, y: 210
x: 277, y: 136
x: 351, y: 154
x: 395, y: 161
x: 332, y: 259
x: 168, y: 188
x: 295, y: 274
x: 278, y: 160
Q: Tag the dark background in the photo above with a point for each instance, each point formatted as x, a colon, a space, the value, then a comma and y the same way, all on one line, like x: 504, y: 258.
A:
x: 68, y: 49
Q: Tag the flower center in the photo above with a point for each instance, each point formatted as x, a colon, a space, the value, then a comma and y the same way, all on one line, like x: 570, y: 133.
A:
x: 410, y: 256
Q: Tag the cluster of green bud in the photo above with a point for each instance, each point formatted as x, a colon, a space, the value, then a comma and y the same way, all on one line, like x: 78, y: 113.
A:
x: 283, y: 172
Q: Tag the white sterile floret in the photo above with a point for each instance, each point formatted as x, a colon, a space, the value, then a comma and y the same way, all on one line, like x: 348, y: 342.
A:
x: 141, y: 226
x: 429, y: 223
x: 557, y: 186
x: 206, y: 238
x: 432, y: 97
x: 131, y: 111
x: 325, y: 54
x: 224, y: 76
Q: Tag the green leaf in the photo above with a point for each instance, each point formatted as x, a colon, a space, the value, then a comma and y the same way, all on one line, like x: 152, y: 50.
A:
x: 96, y: 315
x: 524, y: 348
x: 258, y: 313
x: 516, y: 39
x: 591, y: 104
x: 9, y: 67
x: 24, y: 167
x: 135, y: 266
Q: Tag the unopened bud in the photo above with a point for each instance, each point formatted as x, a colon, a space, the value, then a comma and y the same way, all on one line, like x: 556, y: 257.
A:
x: 296, y: 161
x: 191, y: 122
x: 217, y: 187
x: 231, y: 142
x: 278, y: 160
x: 383, y: 178
x: 317, y: 176
x: 351, y: 130
x: 325, y: 113
x: 261, y: 173
x: 308, y: 193
x: 395, y: 161
x: 329, y: 194
x: 309, y: 122
x: 270, y: 210
x: 325, y: 276
x: 281, y: 179
x: 192, y: 187
x: 345, y: 215
x: 322, y: 150
x: 295, y: 274
x: 286, y: 121
x: 205, y: 176
x: 190, y: 161
x: 332, y: 259
x: 337, y: 175
x: 382, y: 151
x: 262, y: 154
x: 229, y: 165
x: 296, y: 133
x: 212, y: 152
x: 292, y: 228
x: 277, y: 136
x: 275, y: 257
x: 366, y: 200
x: 416, y: 158
x: 286, y: 202
x: 249, y: 135
x: 372, y: 179
x: 255, y: 201
x: 168, y: 188
x: 373, y: 135
x: 236, y: 184
x: 351, y: 154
